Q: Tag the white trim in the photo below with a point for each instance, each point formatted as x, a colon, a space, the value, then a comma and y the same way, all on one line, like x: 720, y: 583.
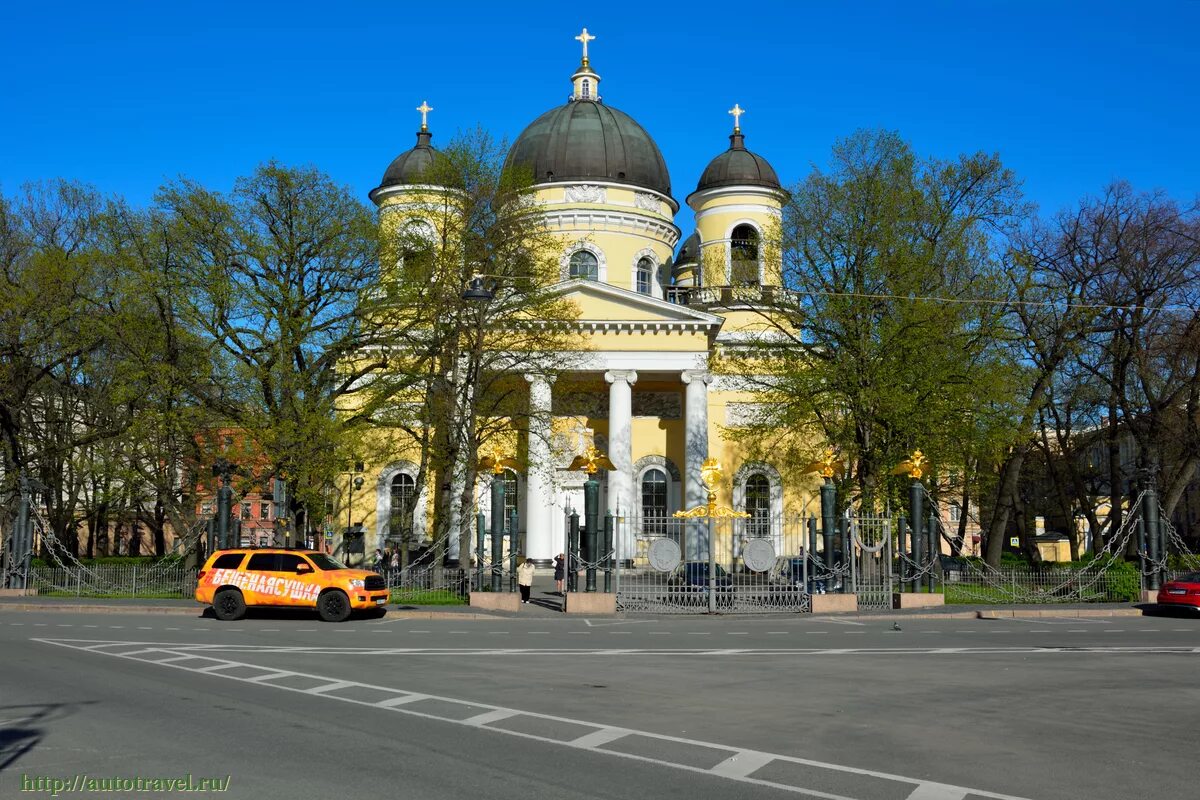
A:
x: 728, y: 242
x: 674, y: 486
x: 383, y: 502
x: 655, y: 265
x: 564, y: 262
x: 599, y: 220
x: 629, y: 187
x: 697, y: 199
x: 676, y: 312
x: 774, y: 480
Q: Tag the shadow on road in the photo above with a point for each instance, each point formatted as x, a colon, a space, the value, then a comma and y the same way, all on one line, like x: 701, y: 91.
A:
x: 21, y: 731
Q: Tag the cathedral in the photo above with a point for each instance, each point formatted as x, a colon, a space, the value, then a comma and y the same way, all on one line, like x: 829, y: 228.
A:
x: 654, y: 306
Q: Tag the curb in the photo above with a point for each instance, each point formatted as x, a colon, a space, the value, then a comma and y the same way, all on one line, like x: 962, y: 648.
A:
x: 1064, y: 612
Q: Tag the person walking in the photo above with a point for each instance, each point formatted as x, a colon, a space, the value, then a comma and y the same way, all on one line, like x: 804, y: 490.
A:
x: 559, y: 571
x: 525, y: 579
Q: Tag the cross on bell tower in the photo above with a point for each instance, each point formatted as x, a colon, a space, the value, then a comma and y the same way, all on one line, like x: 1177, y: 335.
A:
x: 424, y: 108
x: 737, y: 112
x: 585, y: 81
x: 585, y: 38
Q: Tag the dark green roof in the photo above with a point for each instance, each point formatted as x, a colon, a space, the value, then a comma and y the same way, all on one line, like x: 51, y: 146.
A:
x: 690, y: 252
x: 737, y: 166
x: 587, y: 140
x: 411, y: 166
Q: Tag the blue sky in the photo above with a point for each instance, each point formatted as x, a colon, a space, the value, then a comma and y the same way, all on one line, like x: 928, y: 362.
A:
x: 127, y: 95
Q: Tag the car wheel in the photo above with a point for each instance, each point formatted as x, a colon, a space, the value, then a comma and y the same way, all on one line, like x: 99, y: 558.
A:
x: 229, y: 605
x: 333, y: 606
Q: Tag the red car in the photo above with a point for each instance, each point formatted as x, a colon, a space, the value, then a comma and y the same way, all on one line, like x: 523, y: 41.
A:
x: 1183, y: 592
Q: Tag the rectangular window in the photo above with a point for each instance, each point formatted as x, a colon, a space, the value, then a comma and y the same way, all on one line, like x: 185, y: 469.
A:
x: 264, y: 510
x: 245, y: 511
x: 206, y: 509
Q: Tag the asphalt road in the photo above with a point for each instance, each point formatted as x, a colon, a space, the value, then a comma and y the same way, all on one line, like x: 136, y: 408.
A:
x: 288, y: 707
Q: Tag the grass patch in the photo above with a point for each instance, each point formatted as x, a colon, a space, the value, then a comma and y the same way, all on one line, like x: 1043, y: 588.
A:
x: 427, y: 597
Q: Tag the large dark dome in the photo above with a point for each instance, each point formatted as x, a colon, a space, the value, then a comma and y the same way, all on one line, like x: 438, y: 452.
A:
x: 590, y: 141
x: 737, y: 166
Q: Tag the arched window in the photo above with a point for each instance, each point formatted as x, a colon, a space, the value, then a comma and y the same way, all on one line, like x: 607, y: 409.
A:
x: 743, y: 256
x: 510, y: 494
x: 403, y: 503
x: 654, y: 501
x: 758, y: 505
x: 585, y: 265
x: 587, y: 88
x: 645, y: 271
x: 416, y: 250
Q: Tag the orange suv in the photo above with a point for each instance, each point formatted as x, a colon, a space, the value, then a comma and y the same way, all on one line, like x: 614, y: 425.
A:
x: 233, y: 580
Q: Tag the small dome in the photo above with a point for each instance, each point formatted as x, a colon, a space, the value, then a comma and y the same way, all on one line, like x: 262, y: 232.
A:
x: 588, y: 141
x: 737, y: 166
x: 689, y: 253
x: 410, y: 167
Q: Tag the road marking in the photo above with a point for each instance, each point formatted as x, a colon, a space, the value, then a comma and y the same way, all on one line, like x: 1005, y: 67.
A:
x: 740, y: 765
x: 538, y: 633
x: 300, y: 630
x: 745, y: 633
x: 737, y: 766
x: 600, y: 737
x: 838, y: 621
x: 620, y: 633
x: 270, y: 630
x: 392, y: 702
x: 205, y: 649
x: 1077, y: 630
x: 777, y: 633
x: 815, y: 633
x: 328, y: 687
x: 1149, y: 630
x: 499, y: 633
x: 937, y: 791
x: 659, y: 633
x: 382, y: 630
x: 580, y: 633
x: 490, y: 716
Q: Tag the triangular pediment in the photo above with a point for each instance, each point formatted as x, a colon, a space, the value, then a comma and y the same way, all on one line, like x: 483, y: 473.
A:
x: 603, y: 303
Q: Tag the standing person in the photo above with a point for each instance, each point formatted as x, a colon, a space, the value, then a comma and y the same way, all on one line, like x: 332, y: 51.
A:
x: 525, y: 579
x: 559, y: 567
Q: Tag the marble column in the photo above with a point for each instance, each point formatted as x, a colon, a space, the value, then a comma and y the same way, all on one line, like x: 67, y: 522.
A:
x: 620, y: 445
x: 695, y: 450
x: 539, y: 475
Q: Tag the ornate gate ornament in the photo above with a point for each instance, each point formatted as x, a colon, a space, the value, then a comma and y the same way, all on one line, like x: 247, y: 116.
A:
x: 758, y: 555
x: 664, y: 554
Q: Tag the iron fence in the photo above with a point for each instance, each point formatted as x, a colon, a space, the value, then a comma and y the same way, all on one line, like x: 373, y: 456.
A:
x: 172, y: 580
x: 426, y: 585
x: 1049, y: 585
x: 664, y: 568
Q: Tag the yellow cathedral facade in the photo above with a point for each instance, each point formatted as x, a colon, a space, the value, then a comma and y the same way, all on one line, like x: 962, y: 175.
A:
x: 654, y: 308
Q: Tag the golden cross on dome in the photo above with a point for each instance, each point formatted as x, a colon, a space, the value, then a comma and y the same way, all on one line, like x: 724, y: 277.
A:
x: 585, y: 38
x: 424, y: 108
x: 737, y: 112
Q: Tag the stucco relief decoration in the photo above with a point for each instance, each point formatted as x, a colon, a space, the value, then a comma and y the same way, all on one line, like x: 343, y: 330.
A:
x: 667, y: 405
x: 743, y: 414
x: 585, y: 193
x: 646, y: 201
x: 581, y: 404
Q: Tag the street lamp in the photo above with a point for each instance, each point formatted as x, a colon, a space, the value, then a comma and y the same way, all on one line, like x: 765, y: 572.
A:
x: 477, y: 291
x: 354, y: 483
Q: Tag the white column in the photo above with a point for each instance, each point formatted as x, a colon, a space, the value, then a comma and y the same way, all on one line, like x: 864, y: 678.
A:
x: 620, y: 442
x: 539, y: 476
x: 695, y: 450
